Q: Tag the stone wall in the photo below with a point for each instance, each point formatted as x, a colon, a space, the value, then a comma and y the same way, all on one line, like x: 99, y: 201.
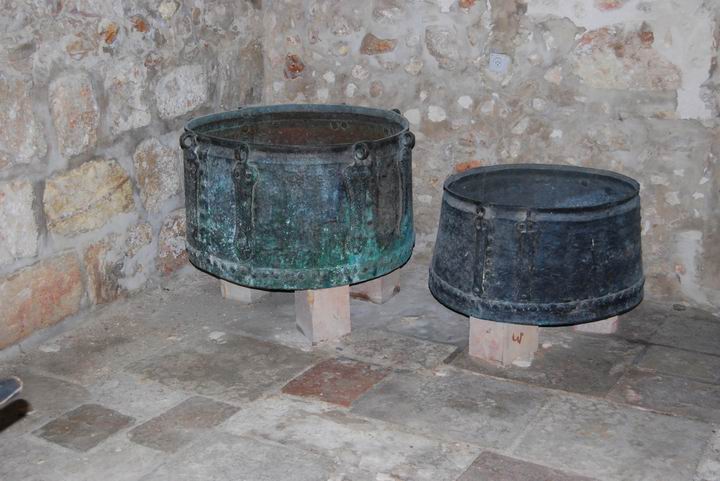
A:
x: 93, y: 96
x: 626, y: 85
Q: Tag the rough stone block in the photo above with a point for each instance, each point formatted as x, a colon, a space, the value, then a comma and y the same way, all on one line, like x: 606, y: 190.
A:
x: 18, y: 229
x: 323, y: 314
x: 172, y: 253
x: 609, y: 58
x: 74, y: 113
x: 503, y: 343
x: 104, y: 261
x: 372, y: 45
x: 125, y: 83
x: 181, y: 90
x: 85, y: 427
x: 336, y: 381
x: 85, y: 198
x: 156, y: 170
x: 606, y: 326
x: 39, y: 296
x: 378, y: 290
x: 22, y: 139
x: 242, y: 294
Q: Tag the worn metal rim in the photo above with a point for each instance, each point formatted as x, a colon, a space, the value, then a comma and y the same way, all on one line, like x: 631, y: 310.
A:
x: 537, y: 314
x: 193, y: 126
x: 453, y: 179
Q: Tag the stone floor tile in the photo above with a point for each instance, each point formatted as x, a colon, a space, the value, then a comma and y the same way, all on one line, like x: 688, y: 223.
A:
x: 42, y: 399
x: 495, y: 467
x: 182, y: 424
x: 29, y: 458
x: 121, y: 333
x: 392, y: 350
x: 85, y: 427
x: 677, y: 362
x: 443, y: 327
x: 236, y: 369
x: 643, y: 322
x: 412, y: 311
x: 669, y: 394
x: 567, y: 361
x: 709, y: 467
x: 337, y: 381
x: 613, y: 442
x: 355, y: 443
x: 136, y: 396
x: 225, y: 457
x: 455, y: 405
x: 689, y: 334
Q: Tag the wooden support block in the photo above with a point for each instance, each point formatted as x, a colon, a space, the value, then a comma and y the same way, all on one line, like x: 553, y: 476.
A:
x: 606, y: 326
x: 378, y: 290
x: 323, y: 314
x: 242, y: 294
x: 503, y: 343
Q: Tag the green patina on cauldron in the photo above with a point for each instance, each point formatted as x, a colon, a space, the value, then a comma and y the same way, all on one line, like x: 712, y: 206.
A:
x: 299, y: 196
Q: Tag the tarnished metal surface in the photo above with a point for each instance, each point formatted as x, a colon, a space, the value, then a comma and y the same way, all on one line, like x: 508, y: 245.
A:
x: 299, y: 196
x: 539, y: 244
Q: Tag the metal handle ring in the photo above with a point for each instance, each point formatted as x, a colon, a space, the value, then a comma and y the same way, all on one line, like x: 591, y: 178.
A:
x: 361, y: 151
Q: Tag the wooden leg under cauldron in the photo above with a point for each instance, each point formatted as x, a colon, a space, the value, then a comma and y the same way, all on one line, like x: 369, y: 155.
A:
x: 241, y: 294
x: 378, y: 290
x: 503, y: 343
x: 606, y: 326
x: 323, y: 314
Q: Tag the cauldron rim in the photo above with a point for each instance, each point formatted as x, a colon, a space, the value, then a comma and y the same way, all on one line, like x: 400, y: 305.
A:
x: 634, y: 191
x: 394, y: 115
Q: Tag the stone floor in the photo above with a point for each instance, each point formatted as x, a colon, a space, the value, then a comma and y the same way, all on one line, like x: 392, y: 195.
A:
x: 179, y: 384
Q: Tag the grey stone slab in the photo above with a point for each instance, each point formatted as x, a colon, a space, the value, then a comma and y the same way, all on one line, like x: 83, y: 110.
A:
x: 115, y: 336
x: 567, y: 361
x: 225, y: 457
x: 709, y: 467
x: 455, y: 405
x: 85, y: 427
x: 128, y: 392
x: 643, y: 322
x: 495, y: 467
x: 33, y: 459
x: 669, y: 394
x: 182, y: 424
x: 356, y: 443
x: 392, y: 350
x: 613, y: 442
x: 237, y: 369
x: 690, y: 334
x: 42, y: 399
x: 677, y: 362
x: 414, y: 311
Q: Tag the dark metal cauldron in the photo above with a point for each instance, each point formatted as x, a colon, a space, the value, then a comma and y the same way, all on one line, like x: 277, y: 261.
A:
x: 538, y: 244
x: 299, y: 196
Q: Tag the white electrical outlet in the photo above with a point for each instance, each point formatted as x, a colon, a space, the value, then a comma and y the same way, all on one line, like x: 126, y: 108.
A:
x: 498, y: 63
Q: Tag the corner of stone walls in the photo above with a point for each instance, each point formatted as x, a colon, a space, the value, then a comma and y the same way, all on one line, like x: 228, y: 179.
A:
x: 93, y: 97
x: 626, y: 85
